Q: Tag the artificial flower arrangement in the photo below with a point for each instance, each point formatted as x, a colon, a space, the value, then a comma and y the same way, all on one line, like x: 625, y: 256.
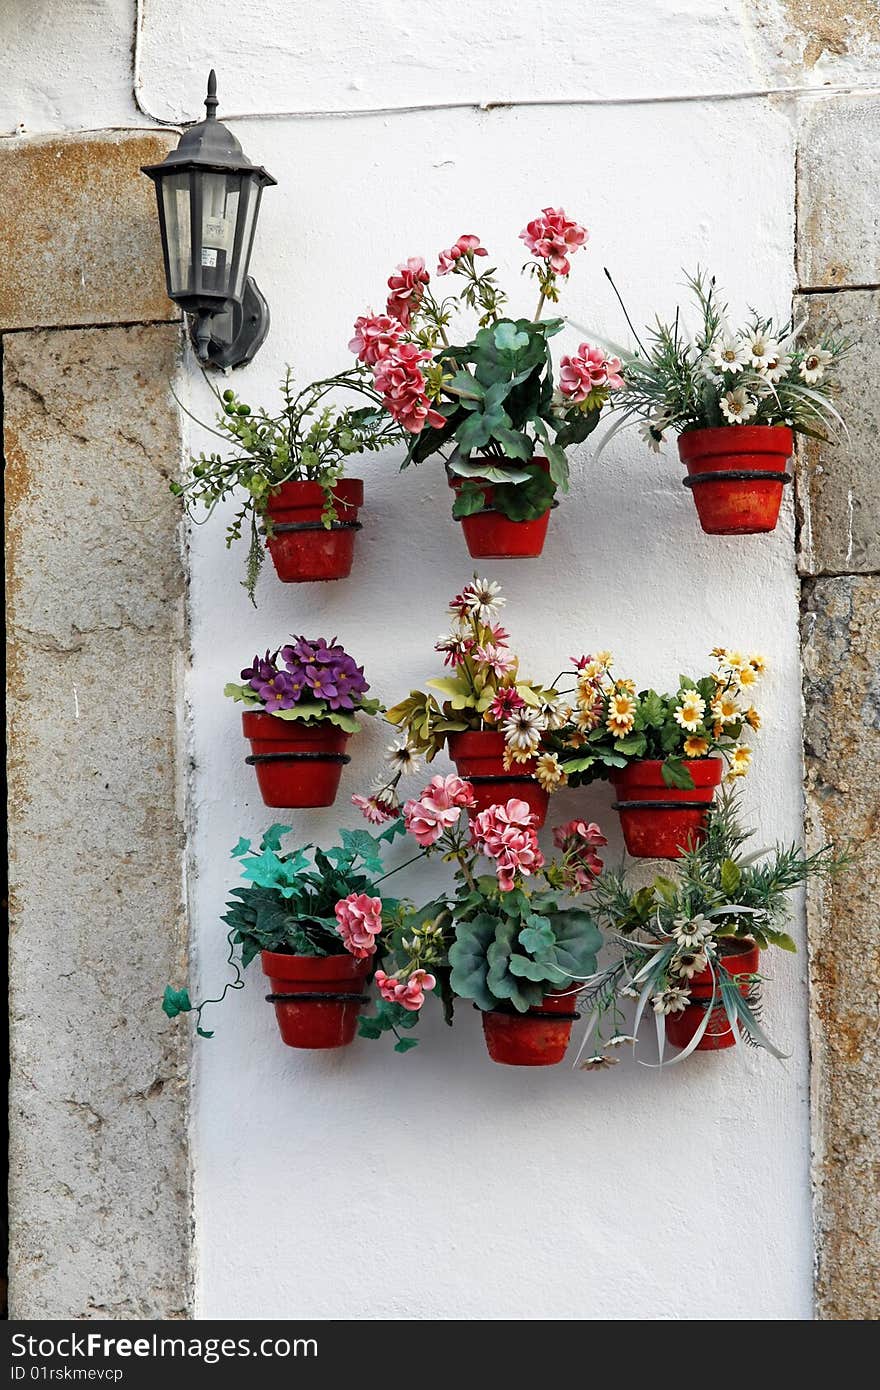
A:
x: 514, y: 942
x: 689, y: 949
x: 489, y: 406
x: 314, y: 917
x: 735, y: 397
x: 489, y: 716
x: 302, y: 703
x: 323, y: 929
x: 287, y: 470
x: 664, y: 754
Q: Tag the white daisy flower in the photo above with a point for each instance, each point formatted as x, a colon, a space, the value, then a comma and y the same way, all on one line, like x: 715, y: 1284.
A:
x: 651, y: 432
x: 690, y: 934
x: 762, y: 350
x: 776, y: 367
x: 691, y: 964
x: 595, y: 1063
x: 556, y: 713
x: 403, y: 758
x: 812, y: 369
x: 671, y: 1001
x: 484, y: 598
x: 738, y: 406
x: 619, y: 1039
x: 522, y: 731
x: 729, y: 354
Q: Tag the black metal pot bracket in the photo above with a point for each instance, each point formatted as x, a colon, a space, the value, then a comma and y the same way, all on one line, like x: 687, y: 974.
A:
x: 315, y: 996
x: 485, y: 779
x: 281, y: 527
x: 661, y: 805
x: 736, y: 475
x: 532, y: 1013
x: 254, y: 758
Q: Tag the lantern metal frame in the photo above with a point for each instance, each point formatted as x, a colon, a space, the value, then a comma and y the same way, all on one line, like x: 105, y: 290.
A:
x: 227, y: 329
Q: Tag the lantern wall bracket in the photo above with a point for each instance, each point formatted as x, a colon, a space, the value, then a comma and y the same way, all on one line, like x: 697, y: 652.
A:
x: 233, y: 337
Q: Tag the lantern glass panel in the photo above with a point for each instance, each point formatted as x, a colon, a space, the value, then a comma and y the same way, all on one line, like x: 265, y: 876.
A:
x: 176, y: 202
x: 221, y: 195
x: 247, y: 226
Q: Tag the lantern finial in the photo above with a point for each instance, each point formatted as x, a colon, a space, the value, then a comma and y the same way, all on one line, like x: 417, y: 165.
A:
x: 211, y: 102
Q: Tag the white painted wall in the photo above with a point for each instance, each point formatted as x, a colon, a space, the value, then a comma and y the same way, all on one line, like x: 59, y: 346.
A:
x: 363, y: 1184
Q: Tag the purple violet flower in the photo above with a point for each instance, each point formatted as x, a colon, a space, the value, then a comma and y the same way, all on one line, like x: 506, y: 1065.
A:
x: 278, y: 693
x: 262, y: 670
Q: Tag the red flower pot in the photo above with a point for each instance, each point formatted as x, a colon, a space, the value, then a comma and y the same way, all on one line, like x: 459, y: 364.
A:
x: 669, y: 819
x: 491, y: 535
x: 742, y: 959
x: 302, y: 548
x: 737, y: 474
x: 532, y: 1039
x: 479, y: 757
x: 306, y: 1021
x: 296, y: 764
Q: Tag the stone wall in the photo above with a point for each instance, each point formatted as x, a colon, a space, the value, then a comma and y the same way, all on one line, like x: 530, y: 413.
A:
x: 839, y: 563
x: 99, y: 1169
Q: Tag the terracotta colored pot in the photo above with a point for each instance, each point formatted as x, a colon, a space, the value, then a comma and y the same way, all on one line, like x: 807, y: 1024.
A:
x: 491, y: 535
x: 296, y: 764
x: 670, y: 819
x: 309, y: 551
x: 479, y: 756
x: 530, y: 1039
x: 737, y: 474
x: 742, y: 959
x: 310, y: 1022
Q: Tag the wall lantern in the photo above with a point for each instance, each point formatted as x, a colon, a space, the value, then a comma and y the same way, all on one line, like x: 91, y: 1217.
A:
x: 209, y: 199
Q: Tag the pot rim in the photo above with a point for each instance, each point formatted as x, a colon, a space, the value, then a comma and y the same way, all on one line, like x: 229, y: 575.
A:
x: 777, y: 440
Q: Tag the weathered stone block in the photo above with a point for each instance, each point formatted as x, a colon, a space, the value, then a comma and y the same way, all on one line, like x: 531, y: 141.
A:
x: 99, y: 1168
x: 838, y: 485
x: 841, y: 681
x: 838, y: 211
x: 79, y: 235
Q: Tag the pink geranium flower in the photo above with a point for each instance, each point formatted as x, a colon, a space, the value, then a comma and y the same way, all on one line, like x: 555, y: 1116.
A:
x: 437, y: 808
x: 579, y: 841
x: 407, y: 287
x: 553, y: 237
x: 586, y: 371
x: 409, y: 993
x: 505, y: 833
x: 464, y: 246
x: 399, y: 379
x: 360, y: 921
x: 374, y: 337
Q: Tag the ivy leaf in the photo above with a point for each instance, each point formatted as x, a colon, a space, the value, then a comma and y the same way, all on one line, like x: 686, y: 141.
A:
x: 272, y: 837
x: 176, y: 1001
x: 205, y: 1032
x: 241, y: 848
x: 405, y: 1044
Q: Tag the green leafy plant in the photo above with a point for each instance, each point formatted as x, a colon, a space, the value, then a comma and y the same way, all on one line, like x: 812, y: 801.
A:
x: 306, y: 441
x: 491, y: 407
x: 667, y: 932
x: 512, y: 949
x: 288, y: 902
x: 610, y: 724
x: 760, y: 374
